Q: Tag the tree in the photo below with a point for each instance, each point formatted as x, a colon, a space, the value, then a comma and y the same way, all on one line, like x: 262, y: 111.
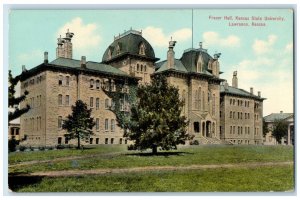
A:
x: 156, y: 119
x: 265, y: 128
x: 15, y: 101
x: 280, y: 129
x: 80, y: 123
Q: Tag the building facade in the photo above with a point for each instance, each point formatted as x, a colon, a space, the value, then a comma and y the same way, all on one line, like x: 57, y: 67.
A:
x: 270, y: 120
x: 130, y: 60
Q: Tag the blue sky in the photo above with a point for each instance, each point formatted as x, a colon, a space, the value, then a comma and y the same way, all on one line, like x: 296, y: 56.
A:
x: 263, y: 56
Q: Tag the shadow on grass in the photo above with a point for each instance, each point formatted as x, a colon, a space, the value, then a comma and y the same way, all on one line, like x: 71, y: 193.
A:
x: 16, y: 181
x: 165, y: 154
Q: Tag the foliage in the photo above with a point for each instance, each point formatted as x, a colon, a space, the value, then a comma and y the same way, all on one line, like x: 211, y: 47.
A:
x: 13, y: 101
x: 156, y: 119
x: 80, y: 123
x: 194, y: 142
x: 12, y: 144
x: 22, y: 148
x: 280, y: 130
x: 265, y: 128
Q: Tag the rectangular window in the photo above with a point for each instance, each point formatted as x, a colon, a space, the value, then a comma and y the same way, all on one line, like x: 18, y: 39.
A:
x: 67, y: 100
x: 230, y: 129
x: 59, y: 122
x: 106, y: 140
x: 111, y: 140
x: 97, y: 140
x: 66, y: 140
x: 67, y: 80
x: 91, y: 140
x: 112, y: 125
x: 106, y: 124
x: 91, y: 101
x: 125, y: 141
x: 97, y: 103
x: 97, y: 123
x: 59, y: 99
x: 120, y: 141
x: 92, y: 83
x: 106, y: 103
x: 60, y: 80
x: 97, y: 84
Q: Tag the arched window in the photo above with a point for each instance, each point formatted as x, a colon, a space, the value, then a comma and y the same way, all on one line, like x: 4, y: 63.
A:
x: 60, y: 80
x: 137, y: 67
x: 214, y: 104
x: 112, y: 124
x: 67, y: 80
x: 199, y: 98
x: 97, y: 103
x: 97, y: 84
x: 145, y: 68
x: 106, y: 103
x: 142, y: 49
x: 92, y: 82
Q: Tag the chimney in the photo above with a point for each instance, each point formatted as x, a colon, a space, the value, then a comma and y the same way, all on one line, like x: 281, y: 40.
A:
x: 83, y: 62
x: 235, y: 80
x: 45, y: 57
x: 200, y: 45
x: 24, y: 68
x: 226, y: 86
x: 170, y: 55
x: 259, y: 93
x: 251, y: 90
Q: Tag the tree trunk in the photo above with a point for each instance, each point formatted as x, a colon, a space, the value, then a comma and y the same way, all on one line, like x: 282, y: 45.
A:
x: 154, y: 149
x: 78, y: 147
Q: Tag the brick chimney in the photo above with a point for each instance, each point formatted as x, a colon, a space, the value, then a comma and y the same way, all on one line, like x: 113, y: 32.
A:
x: 83, y: 62
x: 64, y: 46
x: 45, y: 57
x: 251, y: 90
x: 235, y: 80
x: 259, y: 93
x: 171, y: 54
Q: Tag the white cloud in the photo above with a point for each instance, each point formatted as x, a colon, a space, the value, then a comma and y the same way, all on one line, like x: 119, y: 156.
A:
x: 26, y: 58
x: 264, y: 46
x: 213, y: 38
x: 86, y: 36
x: 158, y: 38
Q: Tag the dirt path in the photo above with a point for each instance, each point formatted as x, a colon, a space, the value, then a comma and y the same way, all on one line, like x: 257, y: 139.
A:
x: 153, y: 168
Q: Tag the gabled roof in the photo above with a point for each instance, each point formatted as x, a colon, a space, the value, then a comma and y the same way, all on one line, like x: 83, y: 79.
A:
x: 278, y: 116
x: 237, y: 91
x: 190, y: 57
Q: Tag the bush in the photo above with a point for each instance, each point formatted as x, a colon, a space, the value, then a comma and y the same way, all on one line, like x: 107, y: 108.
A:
x: 31, y: 148
x: 194, y: 142
x: 131, y: 147
x: 60, y: 146
x: 22, y: 148
x: 50, y: 148
x: 42, y: 148
x: 12, y: 145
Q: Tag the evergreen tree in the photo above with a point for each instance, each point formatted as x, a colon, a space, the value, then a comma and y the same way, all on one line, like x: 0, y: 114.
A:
x: 280, y: 130
x: 15, y: 101
x: 156, y: 119
x: 80, y: 123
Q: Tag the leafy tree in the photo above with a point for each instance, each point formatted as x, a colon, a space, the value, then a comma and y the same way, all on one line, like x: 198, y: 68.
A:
x: 265, y: 128
x: 12, y: 144
x: 280, y: 129
x: 156, y: 119
x: 15, y: 101
x: 80, y: 123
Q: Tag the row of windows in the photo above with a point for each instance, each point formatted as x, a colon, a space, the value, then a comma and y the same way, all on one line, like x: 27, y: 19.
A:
x: 256, y: 131
x: 256, y: 116
x: 239, y: 115
x: 14, y: 131
x: 61, y: 102
x: 240, y: 130
x: 33, y: 123
x: 106, y: 124
x: 32, y: 103
x: 239, y: 102
x: 32, y: 81
x: 64, y: 80
x: 94, y: 140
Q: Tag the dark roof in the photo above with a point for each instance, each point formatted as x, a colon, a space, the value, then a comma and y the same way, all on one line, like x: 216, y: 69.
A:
x: 129, y: 43
x: 239, y: 92
x: 178, y: 66
x: 94, y: 66
x: 278, y: 116
x: 190, y: 57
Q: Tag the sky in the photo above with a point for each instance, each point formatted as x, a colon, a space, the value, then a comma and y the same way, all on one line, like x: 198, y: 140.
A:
x: 262, y: 55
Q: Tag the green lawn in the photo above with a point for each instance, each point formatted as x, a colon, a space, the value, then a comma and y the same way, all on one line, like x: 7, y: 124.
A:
x: 263, y: 179
x: 184, y: 156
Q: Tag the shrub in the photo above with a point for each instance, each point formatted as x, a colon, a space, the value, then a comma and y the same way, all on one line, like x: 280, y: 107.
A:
x: 131, y: 147
x: 42, y: 148
x: 12, y: 144
x: 22, y: 148
x: 50, y: 148
x: 31, y: 148
x: 60, y: 146
x: 194, y: 142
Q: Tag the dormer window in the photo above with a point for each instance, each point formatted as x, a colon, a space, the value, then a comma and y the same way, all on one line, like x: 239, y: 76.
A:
x: 142, y: 49
x: 109, y: 54
x: 118, y: 49
x: 199, y: 67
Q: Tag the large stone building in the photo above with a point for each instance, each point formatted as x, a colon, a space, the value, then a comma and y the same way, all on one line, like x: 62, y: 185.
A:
x: 130, y: 60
